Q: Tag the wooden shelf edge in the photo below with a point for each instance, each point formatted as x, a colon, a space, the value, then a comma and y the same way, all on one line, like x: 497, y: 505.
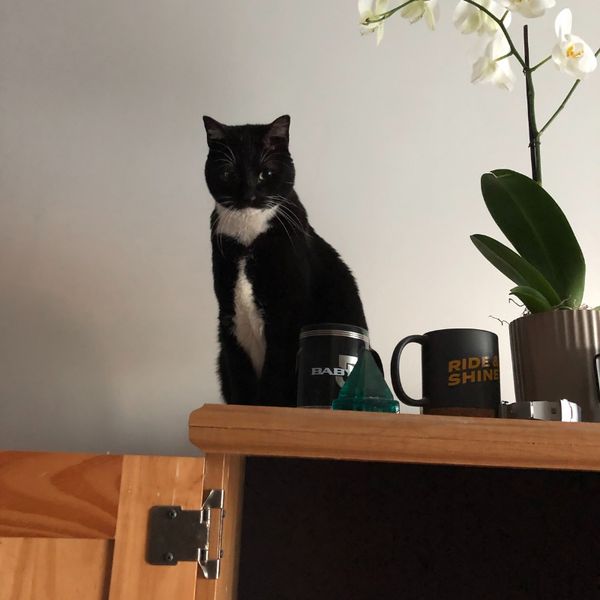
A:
x: 266, y: 431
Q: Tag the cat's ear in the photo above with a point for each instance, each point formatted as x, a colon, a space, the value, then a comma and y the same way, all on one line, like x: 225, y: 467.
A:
x: 279, y: 131
x: 215, y: 131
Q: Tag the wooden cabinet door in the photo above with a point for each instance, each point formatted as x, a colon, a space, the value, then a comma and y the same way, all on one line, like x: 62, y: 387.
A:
x: 74, y: 526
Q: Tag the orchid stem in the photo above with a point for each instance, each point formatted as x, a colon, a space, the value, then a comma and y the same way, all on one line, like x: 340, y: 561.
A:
x: 564, y: 102
x: 534, y: 136
x: 560, y: 108
x: 500, y: 23
x: 541, y: 63
x: 508, y: 55
x: 389, y: 13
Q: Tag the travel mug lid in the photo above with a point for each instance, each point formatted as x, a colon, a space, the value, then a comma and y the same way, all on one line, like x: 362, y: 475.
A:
x: 335, y: 329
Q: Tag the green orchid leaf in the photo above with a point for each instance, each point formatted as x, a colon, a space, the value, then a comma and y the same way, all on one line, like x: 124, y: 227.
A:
x: 532, y: 299
x: 538, y: 229
x: 515, y: 267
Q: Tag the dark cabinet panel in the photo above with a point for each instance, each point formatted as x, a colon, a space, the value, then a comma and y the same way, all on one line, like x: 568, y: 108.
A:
x: 338, y: 530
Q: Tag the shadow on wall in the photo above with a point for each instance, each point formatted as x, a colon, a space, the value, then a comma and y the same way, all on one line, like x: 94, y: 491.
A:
x: 54, y: 392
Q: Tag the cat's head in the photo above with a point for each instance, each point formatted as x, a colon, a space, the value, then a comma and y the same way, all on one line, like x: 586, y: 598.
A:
x: 249, y: 165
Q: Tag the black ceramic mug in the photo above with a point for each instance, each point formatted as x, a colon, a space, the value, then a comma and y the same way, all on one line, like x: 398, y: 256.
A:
x: 327, y: 355
x: 461, y: 373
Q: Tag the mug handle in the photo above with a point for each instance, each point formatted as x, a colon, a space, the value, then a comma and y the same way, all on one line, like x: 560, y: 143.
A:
x: 395, y: 371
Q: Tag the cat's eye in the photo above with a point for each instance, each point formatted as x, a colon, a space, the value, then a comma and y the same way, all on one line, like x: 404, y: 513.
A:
x: 265, y: 175
x: 226, y: 175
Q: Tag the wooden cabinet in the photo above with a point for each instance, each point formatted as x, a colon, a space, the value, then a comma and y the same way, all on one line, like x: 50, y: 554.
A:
x: 427, y: 439
x: 335, y: 505
x: 349, y: 506
x: 74, y: 526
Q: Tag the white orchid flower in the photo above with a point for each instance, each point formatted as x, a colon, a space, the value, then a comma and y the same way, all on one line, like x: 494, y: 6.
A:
x: 367, y: 12
x: 528, y: 8
x: 470, y: 19
x: 427, y: 9
x: 489, y: 69
x: 572, y: 55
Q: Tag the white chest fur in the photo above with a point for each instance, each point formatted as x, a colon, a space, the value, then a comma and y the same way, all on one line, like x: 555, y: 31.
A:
x: 244, y: 225
x: 248, y: 322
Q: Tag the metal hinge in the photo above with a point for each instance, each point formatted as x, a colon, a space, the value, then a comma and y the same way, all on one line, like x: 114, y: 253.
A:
x: 184, y: 535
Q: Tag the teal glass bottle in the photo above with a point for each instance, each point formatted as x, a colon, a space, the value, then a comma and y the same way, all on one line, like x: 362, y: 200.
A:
x: 365, y: 389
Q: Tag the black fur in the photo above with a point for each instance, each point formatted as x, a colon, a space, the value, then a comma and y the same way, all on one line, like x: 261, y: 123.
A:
x: 297, y: 277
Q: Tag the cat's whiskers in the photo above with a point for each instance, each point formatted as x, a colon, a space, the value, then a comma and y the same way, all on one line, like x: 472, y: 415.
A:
x: 280, y: 200
x: 262, y: 155
x: 274, y: 161
x: 214, y: 234
x: 229, y: 150
x: 287, y: 201
x: 217, y: 235
x: 220, y: 224
x: 283, y: 200
x: 289, y: 214
x: 270, y: 155
x: 213, y: 227
x: 292, y: 224
x: 229, y: 215
x: 265, y: 154
x: 295, y: 226
x: 228, y: 154
x: 272, y: 152
x: 295, y: 222
x: 278, y: 214
x: 227, y: 160
x: 287, y: 232
x: 291, y: 218
x: 226, y: 201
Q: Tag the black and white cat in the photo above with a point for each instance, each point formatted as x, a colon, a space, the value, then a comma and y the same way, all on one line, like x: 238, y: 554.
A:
x: 272, y: 273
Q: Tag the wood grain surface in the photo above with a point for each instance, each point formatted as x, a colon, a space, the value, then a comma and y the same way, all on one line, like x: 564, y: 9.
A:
x: 265, y: 431
x: 45, y: 494
x: 54, y: 569
x: 148, y: 481
x: 225, y: 472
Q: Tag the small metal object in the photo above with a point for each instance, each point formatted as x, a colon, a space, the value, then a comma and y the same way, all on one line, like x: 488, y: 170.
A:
x: 561, y: 410
x: 184, y: 535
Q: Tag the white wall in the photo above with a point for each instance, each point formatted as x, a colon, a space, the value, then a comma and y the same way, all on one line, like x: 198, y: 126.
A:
x: 107, y: 316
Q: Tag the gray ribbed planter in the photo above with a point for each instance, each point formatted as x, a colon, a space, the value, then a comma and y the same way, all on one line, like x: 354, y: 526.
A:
x: 554, y: 357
